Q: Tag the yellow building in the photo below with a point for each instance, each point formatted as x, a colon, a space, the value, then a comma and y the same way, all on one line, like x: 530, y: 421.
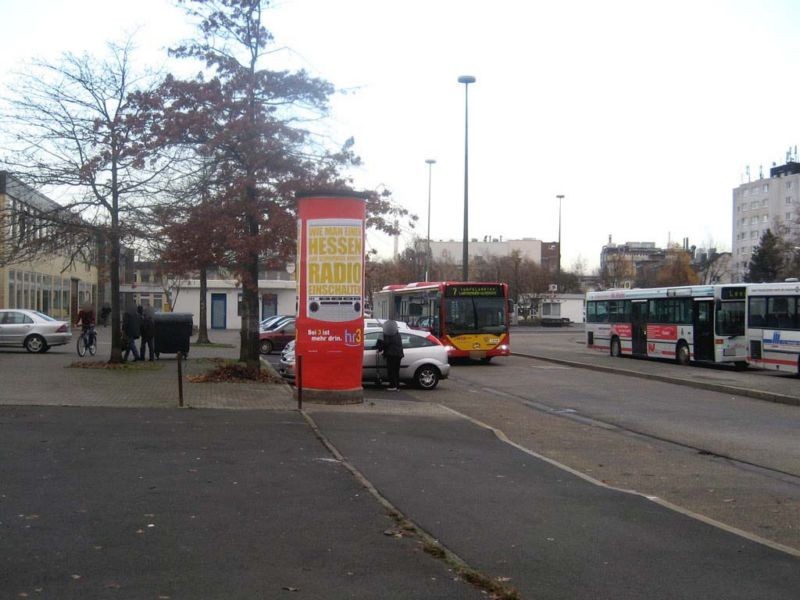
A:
x: 50, y: 283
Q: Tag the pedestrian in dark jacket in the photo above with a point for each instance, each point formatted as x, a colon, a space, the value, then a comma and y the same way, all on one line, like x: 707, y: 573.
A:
x: 148, y: 330
x: 131, y: 330
x: 391, y: 346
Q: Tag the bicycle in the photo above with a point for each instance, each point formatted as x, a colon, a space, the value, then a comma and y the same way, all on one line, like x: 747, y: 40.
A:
x: 87, y: 341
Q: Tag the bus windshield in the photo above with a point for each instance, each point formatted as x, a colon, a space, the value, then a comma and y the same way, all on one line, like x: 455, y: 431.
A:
x: 475, y: 315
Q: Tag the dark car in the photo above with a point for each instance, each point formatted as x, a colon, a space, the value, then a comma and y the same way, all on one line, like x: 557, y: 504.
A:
x: 277, y: 338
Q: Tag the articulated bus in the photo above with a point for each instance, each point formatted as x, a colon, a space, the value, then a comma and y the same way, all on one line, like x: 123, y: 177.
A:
x: 773, y: 326
x: 700, y: 322
x: 471, y: 319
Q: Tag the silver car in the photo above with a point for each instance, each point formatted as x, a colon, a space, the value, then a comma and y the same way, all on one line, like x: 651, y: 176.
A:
x: 34, y: 331
x: 424, y: 362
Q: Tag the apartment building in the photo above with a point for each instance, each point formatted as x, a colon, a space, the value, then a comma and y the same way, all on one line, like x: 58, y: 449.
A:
x: 764, y: 204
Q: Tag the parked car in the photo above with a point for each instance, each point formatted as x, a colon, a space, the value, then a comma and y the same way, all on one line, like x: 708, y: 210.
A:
x: 288, y: 348
x: 277, y: 337
x: 424, y: 363
x: 35, y: 331
x: 273, y: 321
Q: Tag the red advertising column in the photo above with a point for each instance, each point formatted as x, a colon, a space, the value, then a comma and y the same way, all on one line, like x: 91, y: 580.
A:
x: 330, y: 312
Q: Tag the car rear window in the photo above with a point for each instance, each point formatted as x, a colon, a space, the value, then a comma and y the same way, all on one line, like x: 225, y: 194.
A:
x: 415, y: 341
x: 43, y: 316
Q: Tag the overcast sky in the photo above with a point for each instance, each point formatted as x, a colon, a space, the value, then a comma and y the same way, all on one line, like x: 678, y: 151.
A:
x: 644, y: 115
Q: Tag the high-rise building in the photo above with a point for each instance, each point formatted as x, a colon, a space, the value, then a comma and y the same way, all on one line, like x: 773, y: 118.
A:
x: 764, y: 204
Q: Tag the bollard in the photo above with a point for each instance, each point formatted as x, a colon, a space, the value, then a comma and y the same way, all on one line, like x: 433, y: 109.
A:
x: 298, y: 381
x: 180, y: 379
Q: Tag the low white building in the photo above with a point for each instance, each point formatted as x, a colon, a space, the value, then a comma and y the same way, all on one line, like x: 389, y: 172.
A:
x: 554, y: 307
x: 224, y: 297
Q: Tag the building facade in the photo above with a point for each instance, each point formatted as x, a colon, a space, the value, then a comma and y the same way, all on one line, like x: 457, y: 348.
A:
x: 52, y: 283
x: 760, y: 205
x: 621, y: 263
x: 149, y: 287
x: 537, y: 251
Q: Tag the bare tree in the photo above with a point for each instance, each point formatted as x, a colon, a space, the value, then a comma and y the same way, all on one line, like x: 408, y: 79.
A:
x: 74, y: 126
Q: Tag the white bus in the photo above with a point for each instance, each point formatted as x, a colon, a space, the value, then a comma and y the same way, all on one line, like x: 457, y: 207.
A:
x: 699, y: 322
x: 773, y: 327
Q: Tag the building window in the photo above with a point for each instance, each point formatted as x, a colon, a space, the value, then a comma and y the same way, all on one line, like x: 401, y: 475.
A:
x: 788, y: 185
x: 788, y: 199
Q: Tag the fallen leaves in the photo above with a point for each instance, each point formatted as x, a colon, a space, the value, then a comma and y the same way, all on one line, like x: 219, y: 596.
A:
x: 227, y: 371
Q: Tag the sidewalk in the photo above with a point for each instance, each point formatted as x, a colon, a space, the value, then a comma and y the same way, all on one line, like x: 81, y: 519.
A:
x: 157, y: 503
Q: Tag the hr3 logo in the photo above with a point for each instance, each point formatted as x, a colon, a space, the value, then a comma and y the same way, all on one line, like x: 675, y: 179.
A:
x: 352, y: 338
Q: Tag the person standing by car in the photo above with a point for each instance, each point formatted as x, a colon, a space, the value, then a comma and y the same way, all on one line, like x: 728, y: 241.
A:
x: 148, y: 329
x: 131, y: 329
x: 391, y: 346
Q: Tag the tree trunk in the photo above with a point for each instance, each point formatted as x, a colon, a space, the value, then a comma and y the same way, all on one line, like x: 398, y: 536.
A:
x: 116, y: 323
x: 250, y: 352
x: 202, y: 332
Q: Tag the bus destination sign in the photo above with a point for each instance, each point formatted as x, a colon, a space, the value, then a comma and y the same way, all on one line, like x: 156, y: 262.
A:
x: 734, y: 293
x: 474, y: 291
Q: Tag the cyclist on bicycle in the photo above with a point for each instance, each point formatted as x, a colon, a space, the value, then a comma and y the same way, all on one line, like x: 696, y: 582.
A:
x: 86, y: 318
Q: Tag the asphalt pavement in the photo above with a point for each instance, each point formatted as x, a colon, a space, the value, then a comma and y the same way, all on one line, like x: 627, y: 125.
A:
x: 115, y: 492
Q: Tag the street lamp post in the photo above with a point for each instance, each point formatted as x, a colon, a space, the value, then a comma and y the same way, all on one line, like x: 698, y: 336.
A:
x: 430, y: 162
x: 466, y: 80
x: 558, y: 264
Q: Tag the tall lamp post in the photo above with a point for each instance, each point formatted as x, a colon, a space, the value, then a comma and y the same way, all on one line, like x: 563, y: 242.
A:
x: 466, y: 80
x: 558, y: 264
x: 430, y: 162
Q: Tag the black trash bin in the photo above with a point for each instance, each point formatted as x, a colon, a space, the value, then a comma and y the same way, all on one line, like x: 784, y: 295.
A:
x: 172, y: 333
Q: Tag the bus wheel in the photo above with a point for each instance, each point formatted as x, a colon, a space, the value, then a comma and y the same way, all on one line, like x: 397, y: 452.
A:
x: 616, y: 350
x: 741, y: 365
x: 682, y: 354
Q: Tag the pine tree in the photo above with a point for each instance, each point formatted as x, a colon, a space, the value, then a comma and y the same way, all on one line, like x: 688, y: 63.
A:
x: 767, y: 260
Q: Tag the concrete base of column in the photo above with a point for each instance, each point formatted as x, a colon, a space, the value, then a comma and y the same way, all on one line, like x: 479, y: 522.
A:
x: 315, y: 396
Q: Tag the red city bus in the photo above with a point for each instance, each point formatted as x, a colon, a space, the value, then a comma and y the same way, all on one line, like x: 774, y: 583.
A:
x: 470, y: 318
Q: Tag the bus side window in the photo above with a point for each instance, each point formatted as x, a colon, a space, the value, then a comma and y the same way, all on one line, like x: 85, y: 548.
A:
x: 756, y: 312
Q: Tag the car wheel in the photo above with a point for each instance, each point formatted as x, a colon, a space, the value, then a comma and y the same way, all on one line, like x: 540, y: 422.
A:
x: 35, y: 343
x: 426, y: 377
x: 486, y: 360
x: 265, y: 347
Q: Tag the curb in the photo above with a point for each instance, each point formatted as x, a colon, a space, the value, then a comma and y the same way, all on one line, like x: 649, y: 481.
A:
x: 714, y: 387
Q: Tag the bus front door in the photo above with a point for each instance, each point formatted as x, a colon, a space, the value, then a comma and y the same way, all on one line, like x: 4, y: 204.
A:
x: 639, y: 327
x: 702, y: 319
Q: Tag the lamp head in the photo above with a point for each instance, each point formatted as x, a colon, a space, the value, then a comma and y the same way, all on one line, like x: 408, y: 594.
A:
x: 466, y: 79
